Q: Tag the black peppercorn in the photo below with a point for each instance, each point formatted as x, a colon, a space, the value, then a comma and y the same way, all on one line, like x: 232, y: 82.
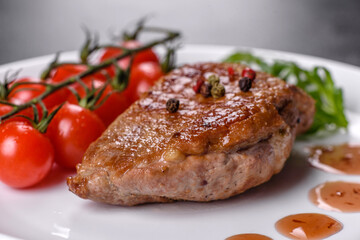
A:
x: 205, y: 89
x: 245, y: 84
x: 218, y: 91
x: 172, y: 105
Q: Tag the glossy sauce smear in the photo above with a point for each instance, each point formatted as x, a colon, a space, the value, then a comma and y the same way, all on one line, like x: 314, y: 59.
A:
x: 341, y: 159
x: 248, y: 236
x: 308, y: 226
x: 337, y: 196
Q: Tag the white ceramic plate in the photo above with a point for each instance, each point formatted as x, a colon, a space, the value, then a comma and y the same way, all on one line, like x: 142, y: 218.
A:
x: 50, y: 211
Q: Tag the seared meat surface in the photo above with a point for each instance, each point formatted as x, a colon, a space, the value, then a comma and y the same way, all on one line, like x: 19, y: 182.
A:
x: 209, y: 149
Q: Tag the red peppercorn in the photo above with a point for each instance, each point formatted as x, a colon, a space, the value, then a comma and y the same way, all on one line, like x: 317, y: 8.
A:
x: 248, y: 72
x: 198, y: 85
x: 230, y: 71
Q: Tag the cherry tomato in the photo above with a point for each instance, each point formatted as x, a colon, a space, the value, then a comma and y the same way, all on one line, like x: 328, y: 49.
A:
x: 56, y: 98
x: 4, y: 109
x: 114, y: 105
x: 142, y: 77
x: 26, y: 155
x: 26, y: 92
x: 26, y: 112
x: 66, y: 71
x: 147, y: 55
x: 62, y: 73
x: 71, y: 131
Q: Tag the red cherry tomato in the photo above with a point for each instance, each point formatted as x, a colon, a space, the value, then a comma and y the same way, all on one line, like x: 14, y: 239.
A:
x: 26, y: 92
x: 4, y: 109
x: 66, y: 71
x: 26, y: 155
x: 114, y: 105
x: 147, y: 55
x: 26, y: 112
x: 142, y: 77
x: 109, y: 53
x: 57, y: 97
x: 19, y: 97
x: 71, y: 131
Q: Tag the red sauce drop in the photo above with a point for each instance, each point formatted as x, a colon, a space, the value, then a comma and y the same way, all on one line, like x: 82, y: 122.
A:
x: 248, y: 236
x: 308, y: 226
x: 341, y: 159
x: 337, y: 196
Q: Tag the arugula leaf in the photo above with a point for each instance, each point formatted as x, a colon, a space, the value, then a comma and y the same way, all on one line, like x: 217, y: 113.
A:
x: 317, y: 82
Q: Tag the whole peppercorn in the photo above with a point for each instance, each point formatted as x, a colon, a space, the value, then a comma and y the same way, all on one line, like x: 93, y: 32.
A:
x: 213, y: 80
x: 172, y: 105
x: 245, y: 84
x: 218, y: 91
x: 198, y: 85
x: 230, y: 71
x: 248, y: 72
x: 205, y: 89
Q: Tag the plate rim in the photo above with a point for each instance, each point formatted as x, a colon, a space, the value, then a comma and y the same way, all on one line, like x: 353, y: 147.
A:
x: 190, y: 47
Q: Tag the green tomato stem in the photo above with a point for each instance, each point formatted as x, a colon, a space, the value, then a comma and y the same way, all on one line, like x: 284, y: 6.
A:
x: 92, y: 69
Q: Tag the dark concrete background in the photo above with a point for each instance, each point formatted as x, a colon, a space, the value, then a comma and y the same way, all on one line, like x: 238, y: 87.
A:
x: 325, y: 28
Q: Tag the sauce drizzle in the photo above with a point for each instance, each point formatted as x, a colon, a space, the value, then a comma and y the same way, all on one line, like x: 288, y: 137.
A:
x: 308, y: 226
x: 340, y: 159
x: 336, y: 196
x: 248, y: 236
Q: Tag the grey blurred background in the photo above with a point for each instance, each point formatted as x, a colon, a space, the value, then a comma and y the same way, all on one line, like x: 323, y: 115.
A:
x: 325, y: 28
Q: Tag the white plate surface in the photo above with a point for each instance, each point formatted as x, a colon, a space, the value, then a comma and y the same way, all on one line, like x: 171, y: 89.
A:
x: 50, y: 211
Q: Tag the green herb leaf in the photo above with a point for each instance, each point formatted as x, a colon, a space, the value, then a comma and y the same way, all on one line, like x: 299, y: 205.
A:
x: 317, y: 82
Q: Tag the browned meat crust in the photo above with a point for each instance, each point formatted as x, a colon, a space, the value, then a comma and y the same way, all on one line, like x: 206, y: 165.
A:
x: 209, y: 149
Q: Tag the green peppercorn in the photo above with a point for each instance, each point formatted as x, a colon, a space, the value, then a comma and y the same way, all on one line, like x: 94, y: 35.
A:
x: 172, y: 105
x: 213, y: 80
x: 218, y: 91
x: 205, y: 89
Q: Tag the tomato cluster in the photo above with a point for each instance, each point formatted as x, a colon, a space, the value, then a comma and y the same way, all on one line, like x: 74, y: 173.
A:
x: 27, y: 155
x: 145, y: 69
